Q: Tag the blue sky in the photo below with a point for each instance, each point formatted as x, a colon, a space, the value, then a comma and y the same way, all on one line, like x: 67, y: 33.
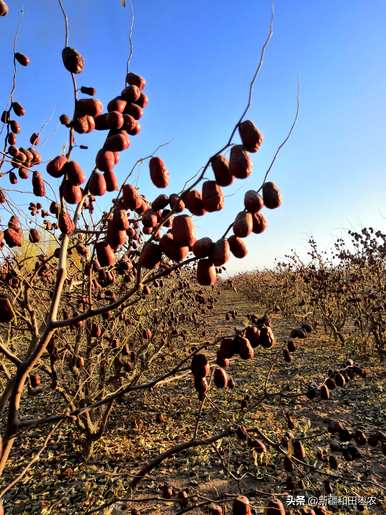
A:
x: 198, y: 58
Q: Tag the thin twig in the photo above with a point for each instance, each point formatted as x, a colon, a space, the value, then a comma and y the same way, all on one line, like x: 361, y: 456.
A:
x: 66, y: 24
x: 131, y: 31
x: 282, y: 144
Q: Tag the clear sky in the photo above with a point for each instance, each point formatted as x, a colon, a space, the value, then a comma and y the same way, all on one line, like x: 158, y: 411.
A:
x: 198, y: 57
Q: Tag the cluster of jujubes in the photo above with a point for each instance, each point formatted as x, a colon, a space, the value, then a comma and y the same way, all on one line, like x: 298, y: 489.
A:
x: 21, y: 159
x: 337, y: 379
x: 242, y: 345
x: 172, y: 232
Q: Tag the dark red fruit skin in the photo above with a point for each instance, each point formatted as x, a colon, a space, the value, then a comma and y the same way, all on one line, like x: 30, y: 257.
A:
x: 22, y: 59
x: 158, y: 172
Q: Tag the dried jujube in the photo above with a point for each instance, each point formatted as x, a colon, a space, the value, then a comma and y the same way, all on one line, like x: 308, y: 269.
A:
x: 193, y: 202
x: 291, y: 346
x: 120, y: 219
x: 111, y: 181
x: 73, y: 61
x: 35, y: 380
x: 74, y: 173
x: 14, y: 126
x: 237, y: 247
x: 259, y: 223
x: 71, y: 193
x: 142, y: 101
x: 160, y: 202
x: 105, y: 254
x: 101, y: 122
x: 266, y: 338
x: 158, y: 172
x: 88, y: 91
x: 117, y: 142
x: 220, y: 378
x: 84, y: 124
x: 23, y: 172
x: 330, y: 383
x: 117, y: 104
x: 245, y: 350
x: 88, y: 106
x: 36, y: 157
x: 200, y: 366
x: 18, y: 109
x: 66, y: 223
x: 130, y: 125
x: 149, y: 218
x: 34, y: 138
x: 151, y: 255
x: 134, y: 110
x: 271, y: 195
x: 135, y: 80
x: 212, y: 196
x: 206, y: 273
x: 96, y: 330
x: 97, y: 184
x: 22, y: 59
x: 252, y: 333
x: 220, y: 167
x: 115, y: 237
x: 307, y: 327
x: 243, y: 224
x: 12, y: 138
x: 183, y: 230
x: 34, y: 236
x: 250, y: 136
x: 173, y: 250
x: 13, y: 238
x: 253, y: 202
x: 131, y: 93
x: 228, y: 348
x: 240, y: 164
x: 105, y: 160
x: 65, y: 120
x: 287, y: 356
x: 220, y: 252
x: 131, y: 198
x: 203, y: 247
x: 167, y: 491
x: 176, y: 203
x: 114, y: 120
x: 340, y: 380
x: 38, y: 186
x: 13, y: 151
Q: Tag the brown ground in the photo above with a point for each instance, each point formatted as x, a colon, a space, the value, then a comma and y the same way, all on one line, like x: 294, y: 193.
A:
x: 60, y: 483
